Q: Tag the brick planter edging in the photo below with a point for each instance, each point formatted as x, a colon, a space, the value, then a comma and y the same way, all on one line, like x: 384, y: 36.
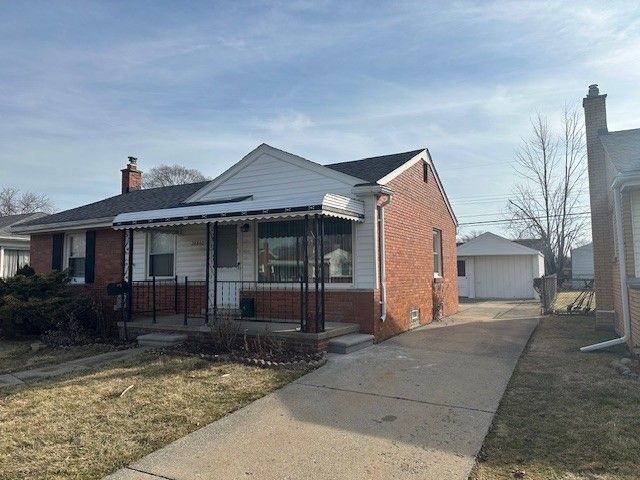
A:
x: 251, y: 361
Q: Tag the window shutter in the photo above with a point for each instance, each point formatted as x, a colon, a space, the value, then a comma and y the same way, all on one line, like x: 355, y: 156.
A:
x: 56, y: 252
x: 90, y: 257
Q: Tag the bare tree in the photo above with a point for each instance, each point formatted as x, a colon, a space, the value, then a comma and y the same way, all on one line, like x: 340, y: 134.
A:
x: 464, y: 238
x: 165, y: 175
x: 546, y: 204
x: 13, y: 202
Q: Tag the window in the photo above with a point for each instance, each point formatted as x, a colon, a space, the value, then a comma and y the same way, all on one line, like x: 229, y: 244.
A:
x: 161, y: 254
x: 13, y: 260
x: 227, y: 246
x: 76, y: 253
x: 281, y: 251
x: 437, y: 252
x: 462, y: 268
x: 425, y: 172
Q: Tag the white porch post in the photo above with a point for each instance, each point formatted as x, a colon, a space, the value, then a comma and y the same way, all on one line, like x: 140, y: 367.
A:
x: 1, y: 262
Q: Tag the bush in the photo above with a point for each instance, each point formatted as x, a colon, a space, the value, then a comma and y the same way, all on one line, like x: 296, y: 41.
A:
x: 26, y: 270
x: 33, y: 305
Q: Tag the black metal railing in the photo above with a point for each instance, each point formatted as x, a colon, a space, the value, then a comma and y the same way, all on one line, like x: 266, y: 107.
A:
x: 186, y: 299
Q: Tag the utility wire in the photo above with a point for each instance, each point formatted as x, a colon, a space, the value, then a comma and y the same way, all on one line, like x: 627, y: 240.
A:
x: 519, y: 220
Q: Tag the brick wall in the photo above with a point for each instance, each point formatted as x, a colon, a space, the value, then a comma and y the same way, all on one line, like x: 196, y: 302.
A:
x: 41, y: 247
x: 415, y: 210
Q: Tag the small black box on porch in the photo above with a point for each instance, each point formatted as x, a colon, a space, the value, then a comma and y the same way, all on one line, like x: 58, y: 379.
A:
x: 117, y: 288
x: 247, y: 307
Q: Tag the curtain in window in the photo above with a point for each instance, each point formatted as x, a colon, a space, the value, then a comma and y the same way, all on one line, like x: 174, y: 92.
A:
x: 281, y: 251
x: 14, y: 259
x: 161, y: 251
x: 77, y: 251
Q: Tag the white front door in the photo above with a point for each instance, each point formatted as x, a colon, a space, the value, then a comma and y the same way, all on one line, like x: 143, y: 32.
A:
x: 463, y: 280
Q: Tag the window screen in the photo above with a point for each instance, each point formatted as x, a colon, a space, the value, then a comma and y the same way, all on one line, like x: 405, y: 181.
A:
x: 227, y: 246
x: 462, y: 268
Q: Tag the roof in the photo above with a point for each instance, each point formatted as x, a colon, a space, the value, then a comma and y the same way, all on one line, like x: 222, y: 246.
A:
x: 8, y: 221
x: 623, y: 148
x: 136, y: 200
x: 373, y: 169
x: 534, y: 243
x: 490, y: 244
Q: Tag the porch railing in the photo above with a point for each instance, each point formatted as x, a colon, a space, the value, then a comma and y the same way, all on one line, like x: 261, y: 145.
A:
x: 186, y: 299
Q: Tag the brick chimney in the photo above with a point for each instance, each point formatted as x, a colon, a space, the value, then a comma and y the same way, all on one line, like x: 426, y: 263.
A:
x: 131, y: 176
x: 595, y: 122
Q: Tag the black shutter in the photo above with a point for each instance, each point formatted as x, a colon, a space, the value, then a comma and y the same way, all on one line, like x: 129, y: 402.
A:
x: 90, y: 257
x: 56, y: 252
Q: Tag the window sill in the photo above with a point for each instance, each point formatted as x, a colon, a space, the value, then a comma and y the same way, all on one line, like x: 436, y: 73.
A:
x: 633, y: 283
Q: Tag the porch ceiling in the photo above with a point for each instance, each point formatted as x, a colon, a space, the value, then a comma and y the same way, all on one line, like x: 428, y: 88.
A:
x: 329, y: 204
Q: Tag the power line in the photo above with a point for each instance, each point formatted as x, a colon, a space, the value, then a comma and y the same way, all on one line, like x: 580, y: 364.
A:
x: 520, y: 220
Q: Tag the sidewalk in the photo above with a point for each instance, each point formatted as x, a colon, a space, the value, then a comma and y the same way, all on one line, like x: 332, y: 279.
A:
x: 26, y: 376
x: 417, y: 406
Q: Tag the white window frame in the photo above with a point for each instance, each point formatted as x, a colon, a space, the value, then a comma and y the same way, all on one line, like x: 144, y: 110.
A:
x: 67, y: 253
x: 635, y: 230
x: 147, y: 256
x: 441, y: 260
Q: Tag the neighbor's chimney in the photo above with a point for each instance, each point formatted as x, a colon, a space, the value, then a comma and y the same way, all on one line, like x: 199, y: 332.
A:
x: 131, y: 176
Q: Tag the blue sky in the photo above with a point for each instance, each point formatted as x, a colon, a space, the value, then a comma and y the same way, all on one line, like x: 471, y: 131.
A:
x: 84, y: 84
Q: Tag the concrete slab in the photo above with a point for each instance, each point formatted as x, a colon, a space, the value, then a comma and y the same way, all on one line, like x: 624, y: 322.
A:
x: 9, y: 380
x: 350, y: 343
x: 416, y: 406
x: 161, y: 339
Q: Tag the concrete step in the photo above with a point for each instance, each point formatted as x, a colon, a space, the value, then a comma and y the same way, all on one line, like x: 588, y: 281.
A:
x: 160, y: 339
x: 350, y: 343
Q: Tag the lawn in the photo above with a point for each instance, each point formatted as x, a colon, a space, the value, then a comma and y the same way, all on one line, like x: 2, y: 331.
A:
x: 566, y: 415
x: 81, y: 427
x: 16, y: 355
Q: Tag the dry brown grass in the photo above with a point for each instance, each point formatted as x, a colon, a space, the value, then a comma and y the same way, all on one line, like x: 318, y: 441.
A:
x: 80, y: 427
x: 566, y: 297
x: 16, y: 355
x: 566, y: 415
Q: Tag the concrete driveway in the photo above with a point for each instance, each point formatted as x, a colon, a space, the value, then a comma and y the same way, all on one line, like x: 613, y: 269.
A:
x: 416, y: 406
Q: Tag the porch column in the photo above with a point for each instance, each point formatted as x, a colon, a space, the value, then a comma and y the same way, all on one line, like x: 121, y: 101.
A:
x: 305, y: 273
x: 215, y: 269
x: 130, y: 273
x: 316, y: 271
x: 322, y: 317
x: 207, y: 274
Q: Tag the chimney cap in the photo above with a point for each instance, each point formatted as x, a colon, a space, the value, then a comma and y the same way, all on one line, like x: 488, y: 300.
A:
x: 593, y: 90
x: 133, y: 160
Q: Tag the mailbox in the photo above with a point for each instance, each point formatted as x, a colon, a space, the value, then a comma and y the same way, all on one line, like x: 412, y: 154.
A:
x: 117, y: 288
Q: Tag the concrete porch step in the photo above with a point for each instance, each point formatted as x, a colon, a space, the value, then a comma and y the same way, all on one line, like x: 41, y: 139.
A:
x: 350, y: 343
x: 160, y: 339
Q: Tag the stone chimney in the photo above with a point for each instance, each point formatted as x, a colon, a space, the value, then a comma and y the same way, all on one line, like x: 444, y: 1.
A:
x: 595, y: 122
x: 131, y: 176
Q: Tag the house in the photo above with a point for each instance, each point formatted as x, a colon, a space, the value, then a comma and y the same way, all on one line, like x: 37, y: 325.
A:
x: 491, y: 266
x: 276, y: 238
x: 14, y: 248
x: 613, y: 160
x: 582, y: 265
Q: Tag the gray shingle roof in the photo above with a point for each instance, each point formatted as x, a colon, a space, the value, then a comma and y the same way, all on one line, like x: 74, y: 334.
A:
x: 373, y: 169
x: 623, y: 148
x: 136, y: 200
x: 8, y: 221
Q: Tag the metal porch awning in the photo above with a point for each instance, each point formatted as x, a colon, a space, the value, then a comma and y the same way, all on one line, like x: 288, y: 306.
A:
x: 329, y: 204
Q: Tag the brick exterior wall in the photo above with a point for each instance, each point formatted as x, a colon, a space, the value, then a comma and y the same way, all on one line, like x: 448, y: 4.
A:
x: 415, y: 210
x: 40, y: 248
x: 601, y: 210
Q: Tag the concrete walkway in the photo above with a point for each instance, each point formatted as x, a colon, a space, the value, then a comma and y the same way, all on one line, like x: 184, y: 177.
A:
x: 72, y: 366
x: 417, y: 406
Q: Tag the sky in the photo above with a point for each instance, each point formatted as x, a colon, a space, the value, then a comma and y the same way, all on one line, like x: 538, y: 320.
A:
x: 85, y: 84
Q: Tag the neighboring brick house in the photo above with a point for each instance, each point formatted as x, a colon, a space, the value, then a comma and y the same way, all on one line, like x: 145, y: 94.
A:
x: 614, y: 188
x: 275, y: 238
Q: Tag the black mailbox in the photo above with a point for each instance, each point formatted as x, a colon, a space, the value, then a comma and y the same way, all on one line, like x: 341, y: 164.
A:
x: 117, y: 288
x: 247, y: 307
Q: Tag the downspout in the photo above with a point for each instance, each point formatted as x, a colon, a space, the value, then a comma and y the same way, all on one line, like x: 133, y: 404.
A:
x: 381, y: 257
x: 622, y: 265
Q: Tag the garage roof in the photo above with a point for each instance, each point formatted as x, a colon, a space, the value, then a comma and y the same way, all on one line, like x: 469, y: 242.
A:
x: 491, y: 244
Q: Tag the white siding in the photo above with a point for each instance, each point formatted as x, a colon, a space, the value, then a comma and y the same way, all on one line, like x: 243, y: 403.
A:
x: 364, y: 247
x: 269, y: 178
x: 139, y: 255
x: 635, y: 228
x: 504, y: 276
x: 191, y: 254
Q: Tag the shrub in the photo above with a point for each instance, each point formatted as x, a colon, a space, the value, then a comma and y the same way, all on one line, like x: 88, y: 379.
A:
x: 26, y: 270
x: 33, y: 305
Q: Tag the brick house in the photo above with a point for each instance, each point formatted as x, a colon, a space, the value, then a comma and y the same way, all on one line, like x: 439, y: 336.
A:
x: 614, y: 189
x: 276, y: 239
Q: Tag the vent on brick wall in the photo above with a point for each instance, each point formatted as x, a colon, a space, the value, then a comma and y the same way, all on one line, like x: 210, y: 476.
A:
x: 415, y: 318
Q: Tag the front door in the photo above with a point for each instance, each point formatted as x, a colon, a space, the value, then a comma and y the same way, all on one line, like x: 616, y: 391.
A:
x: 228, y: 289
x: 463, y: 281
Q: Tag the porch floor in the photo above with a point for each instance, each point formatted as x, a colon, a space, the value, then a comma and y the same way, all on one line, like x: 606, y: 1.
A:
x: 175, y: 323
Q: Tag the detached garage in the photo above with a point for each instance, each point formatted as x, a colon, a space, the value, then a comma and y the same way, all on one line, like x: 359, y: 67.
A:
x: 491, y: 266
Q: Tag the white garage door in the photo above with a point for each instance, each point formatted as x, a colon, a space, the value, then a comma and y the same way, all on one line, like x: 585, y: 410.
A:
x: 509, y: 276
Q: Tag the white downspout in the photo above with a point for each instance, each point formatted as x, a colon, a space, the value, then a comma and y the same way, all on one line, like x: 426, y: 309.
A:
x: 622, y: 265
x: 381, y: 255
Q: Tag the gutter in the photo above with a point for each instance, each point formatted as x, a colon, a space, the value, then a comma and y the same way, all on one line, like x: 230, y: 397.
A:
x: 618, y: 183
x: 58, y: 226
